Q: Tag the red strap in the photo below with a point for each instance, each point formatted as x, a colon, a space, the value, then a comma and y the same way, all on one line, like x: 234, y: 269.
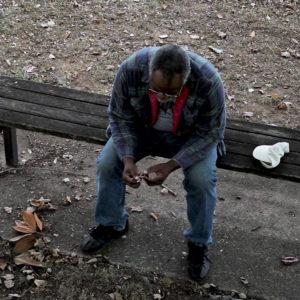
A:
x: 154, y: 106
x: 178, y: 107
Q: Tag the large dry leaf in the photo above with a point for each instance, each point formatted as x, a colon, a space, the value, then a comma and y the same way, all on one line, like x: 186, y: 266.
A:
x: 38, y: 222
x: 24, y: 229
x: 19, y: 237
x: 25, y: 243
x: 25, y: 259
x: 29, y: 219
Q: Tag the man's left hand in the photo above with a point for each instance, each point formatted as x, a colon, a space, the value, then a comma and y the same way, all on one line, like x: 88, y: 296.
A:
x: 160, y: 171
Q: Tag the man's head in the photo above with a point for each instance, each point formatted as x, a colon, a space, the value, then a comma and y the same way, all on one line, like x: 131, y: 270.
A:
x: 169, y: 70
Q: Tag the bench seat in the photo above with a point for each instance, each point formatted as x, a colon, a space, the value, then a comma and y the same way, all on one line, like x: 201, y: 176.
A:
x: 82, y: 115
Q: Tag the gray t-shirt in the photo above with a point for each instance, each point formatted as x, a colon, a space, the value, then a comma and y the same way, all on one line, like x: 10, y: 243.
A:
x: 164, y: 120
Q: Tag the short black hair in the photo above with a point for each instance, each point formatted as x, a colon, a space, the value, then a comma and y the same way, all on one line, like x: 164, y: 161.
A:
x: 171, y: 60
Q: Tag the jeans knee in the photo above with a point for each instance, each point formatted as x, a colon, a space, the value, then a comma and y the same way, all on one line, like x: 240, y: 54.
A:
x: 107, y: 167
x: 195, y: 180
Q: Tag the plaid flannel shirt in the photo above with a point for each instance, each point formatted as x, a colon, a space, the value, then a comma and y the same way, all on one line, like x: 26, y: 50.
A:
x: 202, y: 120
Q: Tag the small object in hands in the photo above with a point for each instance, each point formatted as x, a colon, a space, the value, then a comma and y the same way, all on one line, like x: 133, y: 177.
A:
x: 136, y: 179
x: 168, y: 189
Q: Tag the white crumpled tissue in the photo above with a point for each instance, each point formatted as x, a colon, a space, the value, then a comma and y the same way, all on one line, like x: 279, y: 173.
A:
x: 270, y: 156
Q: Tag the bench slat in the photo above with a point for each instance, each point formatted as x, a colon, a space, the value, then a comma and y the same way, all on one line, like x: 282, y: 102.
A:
x: 53, y: 101
x: 56, y: 127
x: 51, y: 113
x: 237, y: 162
x: 257, y: 128
x: 259, y: 139
x: 47, y: 89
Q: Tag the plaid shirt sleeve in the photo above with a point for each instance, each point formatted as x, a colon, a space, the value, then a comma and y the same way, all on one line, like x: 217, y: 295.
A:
x: 209, y: 130
x: 122, y: 116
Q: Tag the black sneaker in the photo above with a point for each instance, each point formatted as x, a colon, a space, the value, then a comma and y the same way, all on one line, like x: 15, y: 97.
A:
x: 198, y: 262
x: 101, y: 236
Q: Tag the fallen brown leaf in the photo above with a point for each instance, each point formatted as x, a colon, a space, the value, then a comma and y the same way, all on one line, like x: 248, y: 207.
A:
x: 274, y: 96
x: 29, y: 219
x: 282, y: 106
x: 24, y: 229
x: 25, y: 243
x: 26, y: 259
x: 118, y: 296
x: 3, y: 266
x: 38, y: 222
x: 19, y: 237
x: 154, y: 215
x: 136, y: 209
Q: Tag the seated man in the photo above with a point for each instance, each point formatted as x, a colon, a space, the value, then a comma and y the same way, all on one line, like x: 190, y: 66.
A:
x: 166, y: 102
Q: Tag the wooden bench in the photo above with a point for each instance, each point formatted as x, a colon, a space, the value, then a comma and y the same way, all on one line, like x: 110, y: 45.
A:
x: 81, y: 115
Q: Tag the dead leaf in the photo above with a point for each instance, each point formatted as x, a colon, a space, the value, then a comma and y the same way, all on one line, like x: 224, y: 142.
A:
x: 252, y: 34
x: 14, y: 296
x: 289, y: 260
x: 18, y: 237
x: 25, y: 243
x: 78, y: 197
x: 164, y: 191
x: 8, y: 276
x: 216, y: 50
x: 274, y: 96
x: 118, y: 296
x: 38, y: 221
x: 282, y: 105
x: 164, y: 5
x: 154, y: 215
x: 92, y: 260
x: 8, y: 209
x: 163, y: 36
x: 220, y: 16
x: 9, y: 284
x: 3, y: 266
x: 74, y: 260
x: 96, y: 53
x: 67, y: 201
x: 244, y: 280
x: 97, y: 21
x: 286, y: 54
x: 26, y: 259
x: 289, y: 5
x: 29, y: 219
x: 39, y: 282
x: 194, y: 36
x: 136, y: 209
x: 86, y: 179
x: 55, y: 252
x: 24, y: 229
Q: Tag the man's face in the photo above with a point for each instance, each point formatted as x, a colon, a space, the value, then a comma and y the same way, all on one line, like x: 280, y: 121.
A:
x: 165, y: 88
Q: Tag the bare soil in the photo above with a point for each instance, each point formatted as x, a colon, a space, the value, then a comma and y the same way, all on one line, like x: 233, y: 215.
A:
x: 80, y: 44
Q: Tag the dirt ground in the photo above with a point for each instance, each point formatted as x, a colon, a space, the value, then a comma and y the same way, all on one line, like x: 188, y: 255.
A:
x: 80, y: 44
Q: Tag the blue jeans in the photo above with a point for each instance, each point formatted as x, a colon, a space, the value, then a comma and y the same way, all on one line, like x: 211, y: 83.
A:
x: 199, y: 183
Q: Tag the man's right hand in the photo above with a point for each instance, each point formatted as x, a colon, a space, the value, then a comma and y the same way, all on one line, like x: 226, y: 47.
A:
x: 130, y: 173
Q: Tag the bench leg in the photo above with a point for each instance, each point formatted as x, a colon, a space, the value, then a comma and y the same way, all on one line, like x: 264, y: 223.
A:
x: 10, y: 146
